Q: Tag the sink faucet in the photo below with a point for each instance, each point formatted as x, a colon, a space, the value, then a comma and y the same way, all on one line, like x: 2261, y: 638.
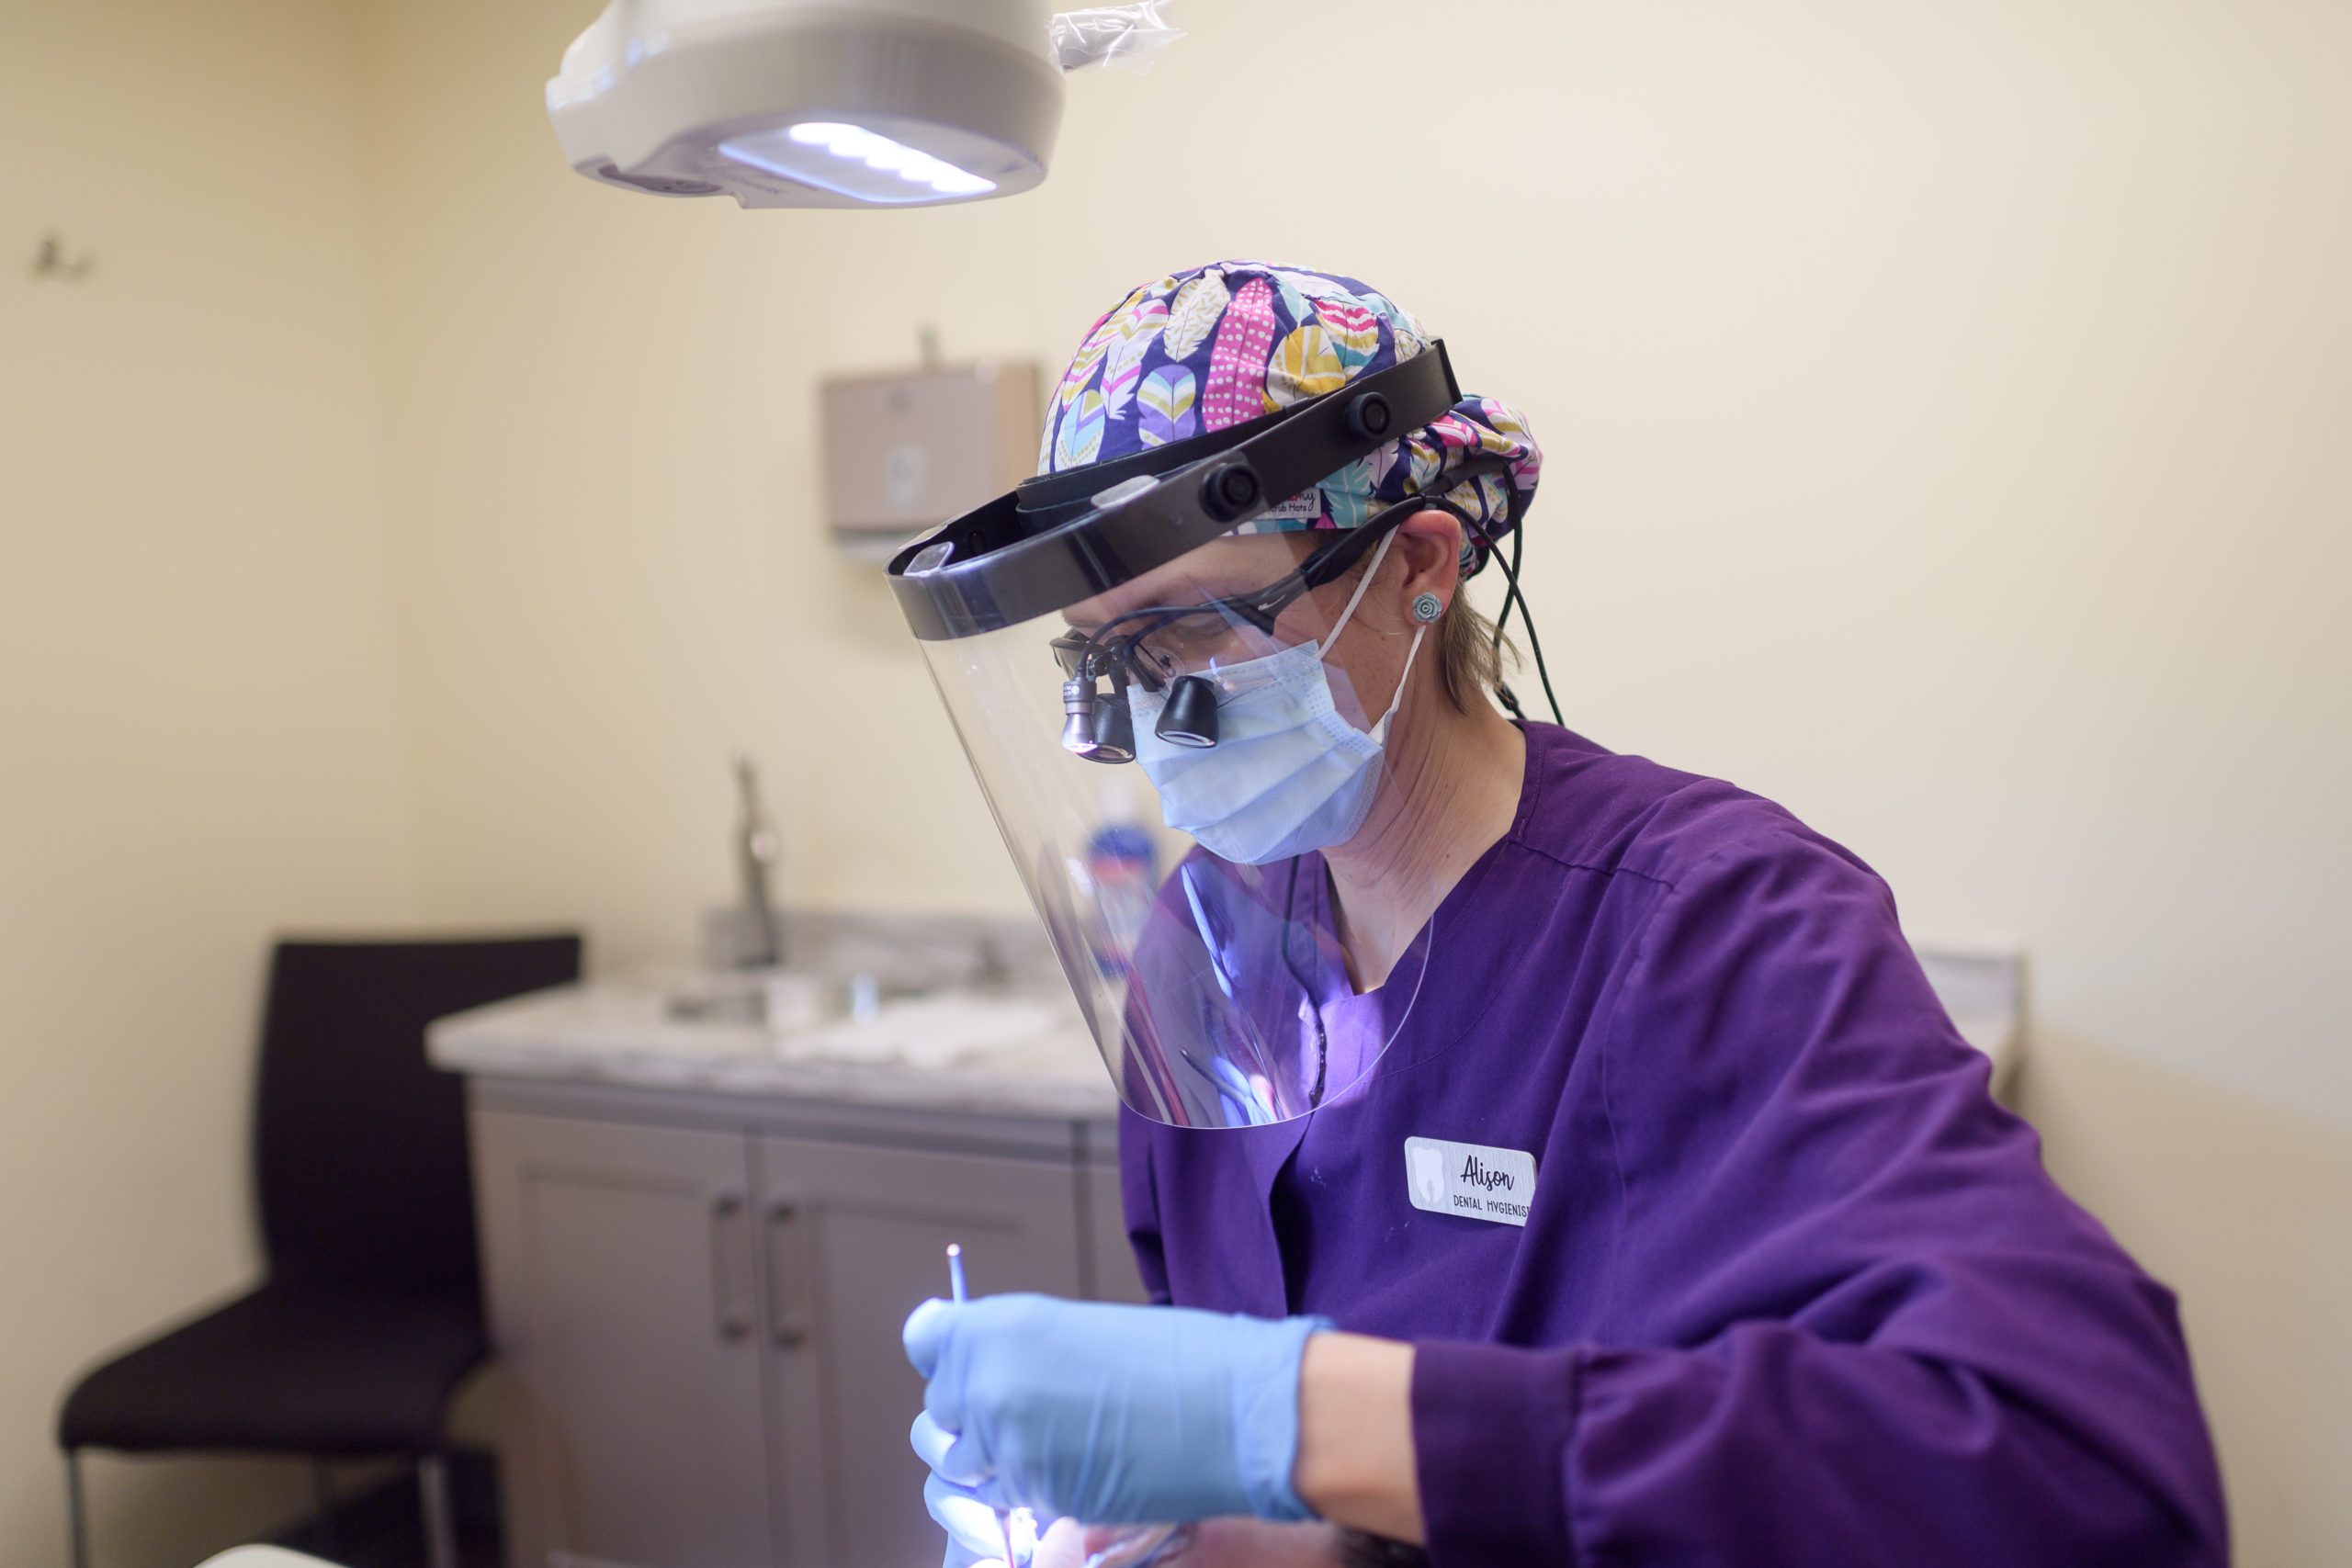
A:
x: 757, y: 850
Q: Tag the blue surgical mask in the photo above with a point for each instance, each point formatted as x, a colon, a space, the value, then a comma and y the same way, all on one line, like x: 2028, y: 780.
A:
x: 1288, y: 774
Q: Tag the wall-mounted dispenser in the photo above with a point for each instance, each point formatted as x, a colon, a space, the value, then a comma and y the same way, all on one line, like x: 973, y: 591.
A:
x: 906, y: 452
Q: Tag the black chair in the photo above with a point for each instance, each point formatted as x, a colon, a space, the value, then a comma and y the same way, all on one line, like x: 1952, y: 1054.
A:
x: 371, y: 1310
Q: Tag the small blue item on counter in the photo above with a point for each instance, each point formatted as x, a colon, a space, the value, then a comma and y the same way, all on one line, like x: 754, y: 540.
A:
x: 865, y: 998
x: 1122, y: 864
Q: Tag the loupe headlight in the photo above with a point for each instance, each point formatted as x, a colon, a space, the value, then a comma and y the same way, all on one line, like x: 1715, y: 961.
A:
x: 1095, y: 726
x: 1078, y: 718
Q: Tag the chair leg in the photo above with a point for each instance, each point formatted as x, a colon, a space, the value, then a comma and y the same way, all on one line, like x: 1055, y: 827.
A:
x: 77, y: 1523
x: 440, y: 1518
x: 328, y: 1544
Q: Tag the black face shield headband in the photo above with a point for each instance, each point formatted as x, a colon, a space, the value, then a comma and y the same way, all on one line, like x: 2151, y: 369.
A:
x: 1061, y: 539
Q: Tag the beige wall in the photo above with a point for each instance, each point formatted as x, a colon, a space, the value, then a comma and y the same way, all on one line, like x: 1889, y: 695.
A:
x: 2244, y: 1209
x: 198, y: 739
x: 1946, y: 409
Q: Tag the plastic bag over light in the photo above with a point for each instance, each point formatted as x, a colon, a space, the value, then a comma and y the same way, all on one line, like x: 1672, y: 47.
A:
x: 1113, y: 616
x: 1126, y: 36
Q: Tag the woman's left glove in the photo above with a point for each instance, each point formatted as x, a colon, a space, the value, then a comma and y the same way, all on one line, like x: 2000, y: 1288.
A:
x: 1113, y: 1415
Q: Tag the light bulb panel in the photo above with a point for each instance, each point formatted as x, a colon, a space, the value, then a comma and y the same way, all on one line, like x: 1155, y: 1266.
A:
x: 855, y: 161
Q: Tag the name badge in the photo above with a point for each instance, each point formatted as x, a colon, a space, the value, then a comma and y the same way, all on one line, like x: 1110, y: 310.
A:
x: 1469, y: 1179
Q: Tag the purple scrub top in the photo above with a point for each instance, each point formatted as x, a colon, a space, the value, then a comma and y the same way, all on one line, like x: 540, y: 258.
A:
x: 1792, y: 1289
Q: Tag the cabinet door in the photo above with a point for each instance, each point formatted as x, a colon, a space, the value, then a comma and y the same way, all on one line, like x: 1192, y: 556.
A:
x: 854, y: 1237
x: 625, y: 1305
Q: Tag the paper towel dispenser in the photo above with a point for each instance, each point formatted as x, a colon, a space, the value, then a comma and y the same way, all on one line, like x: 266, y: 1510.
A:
x: 906, y: 452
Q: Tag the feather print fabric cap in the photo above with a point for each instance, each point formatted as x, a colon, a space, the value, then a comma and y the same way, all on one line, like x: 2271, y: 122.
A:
x: 1221, y: 344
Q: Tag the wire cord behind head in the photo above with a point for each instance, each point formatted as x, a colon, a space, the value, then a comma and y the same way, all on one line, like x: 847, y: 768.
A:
x: 1503, y: 693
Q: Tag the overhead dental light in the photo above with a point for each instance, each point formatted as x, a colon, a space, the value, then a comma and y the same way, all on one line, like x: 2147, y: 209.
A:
x: 830, y: 103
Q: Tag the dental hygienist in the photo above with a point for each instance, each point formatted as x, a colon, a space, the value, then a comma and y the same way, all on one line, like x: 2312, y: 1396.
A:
x: 1539, y: 1155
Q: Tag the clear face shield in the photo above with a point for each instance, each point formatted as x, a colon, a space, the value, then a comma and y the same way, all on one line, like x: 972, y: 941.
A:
x: 1155, y: 710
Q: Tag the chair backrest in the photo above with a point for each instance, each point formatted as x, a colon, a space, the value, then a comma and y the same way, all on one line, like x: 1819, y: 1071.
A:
x: 360, y: 1145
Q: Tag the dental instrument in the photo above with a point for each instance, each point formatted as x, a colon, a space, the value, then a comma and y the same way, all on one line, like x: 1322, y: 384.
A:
x: 1014, y: 1524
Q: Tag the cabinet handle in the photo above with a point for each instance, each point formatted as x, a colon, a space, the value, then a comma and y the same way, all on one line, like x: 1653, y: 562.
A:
x: 788, y: 1271
x: 730, y: 1246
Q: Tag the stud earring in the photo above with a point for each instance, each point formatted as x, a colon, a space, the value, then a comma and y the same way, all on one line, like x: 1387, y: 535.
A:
x: 1427, y: 607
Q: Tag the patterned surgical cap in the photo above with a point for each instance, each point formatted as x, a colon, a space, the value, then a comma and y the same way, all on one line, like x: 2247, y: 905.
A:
x: 1222, y: 344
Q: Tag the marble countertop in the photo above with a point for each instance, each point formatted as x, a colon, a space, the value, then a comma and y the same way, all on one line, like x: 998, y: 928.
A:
x: 1010, y: 1051
x: 1017, y: 1048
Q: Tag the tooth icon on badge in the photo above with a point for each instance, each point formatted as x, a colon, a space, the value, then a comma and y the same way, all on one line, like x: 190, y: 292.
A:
x: 1427, y: 1174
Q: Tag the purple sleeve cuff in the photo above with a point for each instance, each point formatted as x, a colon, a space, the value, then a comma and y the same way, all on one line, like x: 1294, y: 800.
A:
x: 1491, y: 1428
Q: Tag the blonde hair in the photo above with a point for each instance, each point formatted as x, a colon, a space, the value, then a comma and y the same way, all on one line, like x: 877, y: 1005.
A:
x: 1469, y: 659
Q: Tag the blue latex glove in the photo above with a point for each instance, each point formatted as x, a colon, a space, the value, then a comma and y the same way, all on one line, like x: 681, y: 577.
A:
x: 973, y: 1538
x: 1114, y: 1414
x: 977, y: 1536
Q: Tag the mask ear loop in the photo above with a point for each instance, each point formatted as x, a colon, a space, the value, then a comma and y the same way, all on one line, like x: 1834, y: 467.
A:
x: 1379, y: 732
x: 1324, y: 648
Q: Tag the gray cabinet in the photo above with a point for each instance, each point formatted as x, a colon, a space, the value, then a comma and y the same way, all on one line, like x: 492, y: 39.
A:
x: 857, y: 1237
x: 696, y: 1306
x: 623, y: 1302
